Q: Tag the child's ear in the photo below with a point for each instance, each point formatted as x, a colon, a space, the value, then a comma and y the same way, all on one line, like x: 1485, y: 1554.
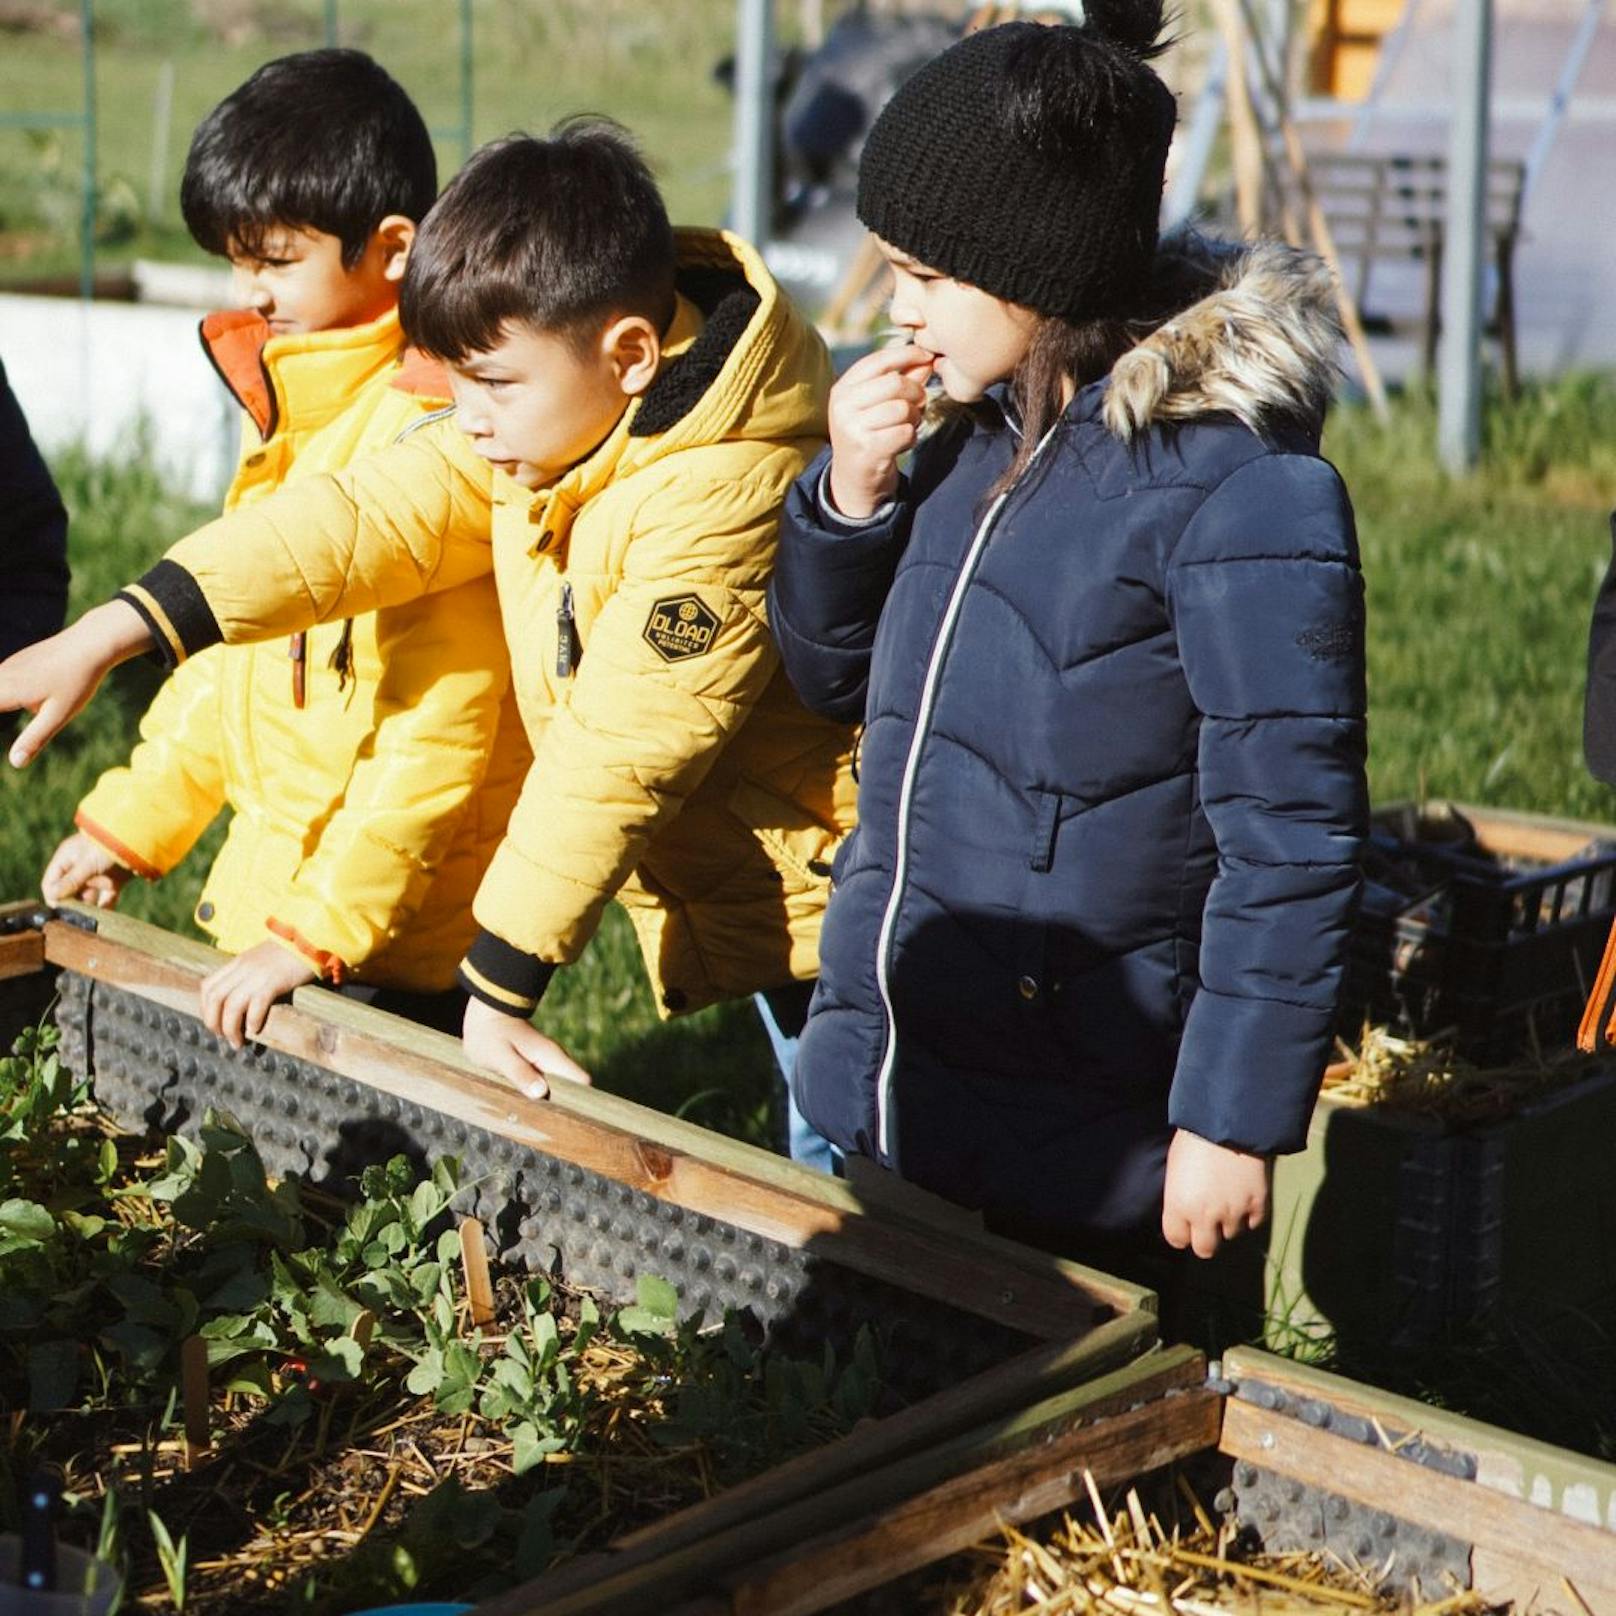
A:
x: 395, y: 235
x: 632, y: 346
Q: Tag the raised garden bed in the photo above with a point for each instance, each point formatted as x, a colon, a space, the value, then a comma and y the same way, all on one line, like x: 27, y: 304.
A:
x: 836, y: 1306
x: 1343, y: 1498
x: 361, y: 1409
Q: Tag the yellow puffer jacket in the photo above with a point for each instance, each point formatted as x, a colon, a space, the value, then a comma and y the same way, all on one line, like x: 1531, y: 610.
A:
x: 371, y: 770
x: 674, y: 768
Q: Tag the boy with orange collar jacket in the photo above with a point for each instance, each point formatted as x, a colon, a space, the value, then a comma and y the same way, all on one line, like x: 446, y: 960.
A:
x: 370, y: 763
x: 632, y: 406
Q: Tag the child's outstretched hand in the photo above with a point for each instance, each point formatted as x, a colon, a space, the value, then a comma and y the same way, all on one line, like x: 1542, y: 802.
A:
x: 55, y: 678
x: 516, y: 1050
x: 1213, y: 1193
x: 875, y: 412
x: 237, y: 997
x: 82, y: 868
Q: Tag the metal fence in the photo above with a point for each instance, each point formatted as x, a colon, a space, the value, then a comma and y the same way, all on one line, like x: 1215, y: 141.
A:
x: 84, y: 119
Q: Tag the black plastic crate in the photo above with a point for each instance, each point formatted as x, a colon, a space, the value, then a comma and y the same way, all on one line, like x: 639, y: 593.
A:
x: 1479, y: 924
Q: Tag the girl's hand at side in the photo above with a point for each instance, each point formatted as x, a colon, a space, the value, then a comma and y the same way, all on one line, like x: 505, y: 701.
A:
x: 875, y: 412
x: 236, y: 998
x: 516, y: 1050
x: 1213, y: 1193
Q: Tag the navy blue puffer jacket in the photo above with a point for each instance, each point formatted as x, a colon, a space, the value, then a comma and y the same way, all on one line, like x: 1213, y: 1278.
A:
x: 1111, y: 775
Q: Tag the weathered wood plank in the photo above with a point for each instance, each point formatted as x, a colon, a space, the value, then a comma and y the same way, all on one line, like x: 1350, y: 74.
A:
x: 1533, y: 836
x: 965, y: 1510
x: 1023, y: 1289
x: 626, y: 1584
x: 1027, y: 1379
x: 1505, y: 1577
x: 1576, y: 1484
x: 22, y: 953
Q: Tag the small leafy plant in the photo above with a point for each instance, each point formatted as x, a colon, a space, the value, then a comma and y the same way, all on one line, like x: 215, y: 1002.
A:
x: 334, y: 1332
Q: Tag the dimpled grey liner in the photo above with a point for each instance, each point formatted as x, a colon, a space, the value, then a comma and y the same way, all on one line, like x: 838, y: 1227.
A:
x: 154, y: 1068
x: 1286, y: 1514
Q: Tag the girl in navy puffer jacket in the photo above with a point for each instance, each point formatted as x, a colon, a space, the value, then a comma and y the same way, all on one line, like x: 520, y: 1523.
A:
x: 1106, y: 640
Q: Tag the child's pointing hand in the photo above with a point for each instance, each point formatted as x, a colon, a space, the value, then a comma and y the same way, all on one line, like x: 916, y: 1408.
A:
x: 55, y: 678
x: 875, y: 412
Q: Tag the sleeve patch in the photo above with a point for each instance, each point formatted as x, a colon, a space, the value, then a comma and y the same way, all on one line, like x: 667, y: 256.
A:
x: 681, y: 627
x: 1331, y: 642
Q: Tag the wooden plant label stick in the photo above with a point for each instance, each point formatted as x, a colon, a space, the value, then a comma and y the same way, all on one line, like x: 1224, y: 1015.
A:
x: 194, y: 1394
x: 474, y: 1260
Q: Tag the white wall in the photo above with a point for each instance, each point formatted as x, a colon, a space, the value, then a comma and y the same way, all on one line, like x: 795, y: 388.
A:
x: 89, y: 373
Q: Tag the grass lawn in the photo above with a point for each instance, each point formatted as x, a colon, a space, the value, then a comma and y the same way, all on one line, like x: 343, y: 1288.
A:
x: 1479, y: 596
x: 649, y: 66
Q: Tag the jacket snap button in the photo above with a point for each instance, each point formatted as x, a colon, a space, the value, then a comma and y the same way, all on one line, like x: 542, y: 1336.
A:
x: 204, y: 911
x: 674, y: 999
x: 1027, y: 987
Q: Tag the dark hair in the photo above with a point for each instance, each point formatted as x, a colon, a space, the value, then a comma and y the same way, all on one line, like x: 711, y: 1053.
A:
x: 1066, y: 353
x: 557, y: 234
x: 323, y: 140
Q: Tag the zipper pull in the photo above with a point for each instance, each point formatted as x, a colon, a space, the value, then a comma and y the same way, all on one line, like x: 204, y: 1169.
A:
x: 566, y: 643
x: 297, y: 650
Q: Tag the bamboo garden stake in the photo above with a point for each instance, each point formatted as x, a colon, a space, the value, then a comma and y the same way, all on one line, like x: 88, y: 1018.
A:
x: 474, y: 1260
x: 194, y: 1397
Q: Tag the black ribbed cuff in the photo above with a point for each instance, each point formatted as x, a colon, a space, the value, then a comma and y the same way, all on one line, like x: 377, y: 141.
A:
x: 173, y: 607
x: 504, y: 977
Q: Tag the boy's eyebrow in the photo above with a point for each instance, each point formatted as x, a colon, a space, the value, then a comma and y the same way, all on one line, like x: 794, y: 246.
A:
x: 483, y: 368
x: 266, y: 248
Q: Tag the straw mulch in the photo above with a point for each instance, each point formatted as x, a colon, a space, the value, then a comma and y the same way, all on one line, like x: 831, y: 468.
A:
x: 1425, y: 1078
x: 1129, y: 1564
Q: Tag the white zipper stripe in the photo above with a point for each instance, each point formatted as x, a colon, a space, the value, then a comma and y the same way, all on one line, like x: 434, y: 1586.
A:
x: 420, y: 421
x: 911, y: 767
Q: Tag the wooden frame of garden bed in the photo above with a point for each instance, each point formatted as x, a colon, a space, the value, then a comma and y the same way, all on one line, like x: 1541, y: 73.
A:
x: 1526, y: 1519
x: 898, y: 1241
x: 1535, y: 1517
x: 1075, y: 1324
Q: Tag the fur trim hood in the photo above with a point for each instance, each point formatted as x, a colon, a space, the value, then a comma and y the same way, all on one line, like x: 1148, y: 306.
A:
x: 1257, y: 336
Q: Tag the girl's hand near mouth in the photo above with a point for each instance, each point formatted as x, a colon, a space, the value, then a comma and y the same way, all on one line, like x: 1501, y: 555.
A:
x: 875, y: 414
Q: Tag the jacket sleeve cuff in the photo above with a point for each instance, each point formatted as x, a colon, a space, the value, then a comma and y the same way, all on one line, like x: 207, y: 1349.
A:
x: 1249, y: 1072
x: 125, y: 855
x: 331, y: 967
x: 172, y: 606
x: 837, y: 523
x: 504, y: 977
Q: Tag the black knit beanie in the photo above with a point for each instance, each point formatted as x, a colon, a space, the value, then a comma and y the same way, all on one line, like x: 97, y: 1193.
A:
x: 1028, y: 159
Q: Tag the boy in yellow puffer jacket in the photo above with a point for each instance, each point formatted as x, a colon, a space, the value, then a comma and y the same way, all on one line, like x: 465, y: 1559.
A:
x: 633, y: 404
x: 364, y: 761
